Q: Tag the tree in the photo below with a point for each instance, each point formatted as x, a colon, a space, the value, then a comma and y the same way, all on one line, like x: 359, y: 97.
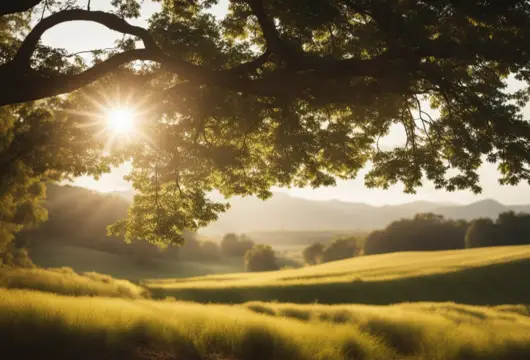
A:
x: 209, y: 250
x: 513, y: 228
x: 260, y: 258
x: 39, y: 143
x: 481, y: 233
x: 313, y: 253
x: 236, y: 246
x: 282, y: 93
x: 340, y: 249
x: 229, y: 244
x: 425, y: 232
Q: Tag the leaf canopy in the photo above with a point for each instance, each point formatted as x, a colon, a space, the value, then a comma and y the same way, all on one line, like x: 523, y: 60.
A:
x: 279, y: 93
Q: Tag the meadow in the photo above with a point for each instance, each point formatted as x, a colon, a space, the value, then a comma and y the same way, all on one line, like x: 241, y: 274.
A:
x: 451, y: 305
x: 482, y: 276
x: 41, y: 325
x: 66, y: 281
x: 83, y: 259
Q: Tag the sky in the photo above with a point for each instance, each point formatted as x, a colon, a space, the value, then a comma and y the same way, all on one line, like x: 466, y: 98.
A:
x: 81, y: 36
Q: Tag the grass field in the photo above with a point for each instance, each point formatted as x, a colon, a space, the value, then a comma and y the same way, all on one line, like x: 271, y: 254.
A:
x: 66, y: 281
x: 485, y: 276
x: 87, y: 260
x: 36, y: 325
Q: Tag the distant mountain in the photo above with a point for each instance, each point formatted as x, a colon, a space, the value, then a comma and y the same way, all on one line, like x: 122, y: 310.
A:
x: 484, y: 208
x: 126, y: 194
x: 285, y: 212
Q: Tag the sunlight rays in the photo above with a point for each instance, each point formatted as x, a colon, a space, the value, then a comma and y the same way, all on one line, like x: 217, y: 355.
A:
x: 118, y: 119
x: 121, y: 121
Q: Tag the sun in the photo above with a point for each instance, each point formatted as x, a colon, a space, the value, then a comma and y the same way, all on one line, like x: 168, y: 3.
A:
x: 121, y: 121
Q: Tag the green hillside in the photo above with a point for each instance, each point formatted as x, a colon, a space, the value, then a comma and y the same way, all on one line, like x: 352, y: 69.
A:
x: 83, y: 259
x: 485, y: 276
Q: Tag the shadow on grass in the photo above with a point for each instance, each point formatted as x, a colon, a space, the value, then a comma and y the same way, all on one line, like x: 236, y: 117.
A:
x: 496, y: 284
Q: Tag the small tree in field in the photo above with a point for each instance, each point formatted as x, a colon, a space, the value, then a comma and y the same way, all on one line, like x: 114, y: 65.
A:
x: 260, y: 258
x: 481, y: 233
x: 313, y: 253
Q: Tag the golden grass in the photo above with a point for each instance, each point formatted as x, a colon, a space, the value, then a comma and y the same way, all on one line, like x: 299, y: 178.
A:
x: 365, y: 268
x: 66, y: 281
x: 486, y: 276
x: 40, y: 325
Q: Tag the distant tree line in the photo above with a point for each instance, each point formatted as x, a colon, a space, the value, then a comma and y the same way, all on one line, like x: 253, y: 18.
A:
x: 79, y: 217
x: 427, y: 232
x: 424, y: 232
x: 510, y: 228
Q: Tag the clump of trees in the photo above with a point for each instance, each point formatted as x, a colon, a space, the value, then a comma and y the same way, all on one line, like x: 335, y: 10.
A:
x: 260, y: 258
x: 338, y: 249
x: 234, y: 245
x: 424, y: 232
x: 510, y: 228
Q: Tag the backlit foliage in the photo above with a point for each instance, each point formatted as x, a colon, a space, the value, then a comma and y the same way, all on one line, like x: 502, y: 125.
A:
x: 290, y: 93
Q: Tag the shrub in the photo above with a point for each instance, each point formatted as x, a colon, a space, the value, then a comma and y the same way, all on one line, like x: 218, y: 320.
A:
x: 260, y: 258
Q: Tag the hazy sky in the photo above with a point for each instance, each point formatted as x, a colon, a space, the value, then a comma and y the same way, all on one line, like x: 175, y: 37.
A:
x: 82, y: 36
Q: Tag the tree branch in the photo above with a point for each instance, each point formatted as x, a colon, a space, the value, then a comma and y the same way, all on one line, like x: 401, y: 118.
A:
x: 252, y: 65
x: 16, y: 6
x: 111, y: 21
x: 272, y: 37
x: 28, y: 88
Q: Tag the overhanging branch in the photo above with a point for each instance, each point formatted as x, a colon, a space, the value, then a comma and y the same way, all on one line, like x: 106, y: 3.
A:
x: 111, y: 21
x: 8, y: 7
x: 28, y: 88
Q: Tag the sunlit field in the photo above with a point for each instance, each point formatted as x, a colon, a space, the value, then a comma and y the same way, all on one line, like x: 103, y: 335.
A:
x: 46, y: 326
x: 66, y: 281
x: 485, y: 276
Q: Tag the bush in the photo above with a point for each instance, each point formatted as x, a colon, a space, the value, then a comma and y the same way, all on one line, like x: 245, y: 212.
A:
x: 260, y: 258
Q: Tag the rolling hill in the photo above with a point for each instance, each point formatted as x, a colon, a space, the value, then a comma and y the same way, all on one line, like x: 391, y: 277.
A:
x: 484, y: 276
x: 315, y: 318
